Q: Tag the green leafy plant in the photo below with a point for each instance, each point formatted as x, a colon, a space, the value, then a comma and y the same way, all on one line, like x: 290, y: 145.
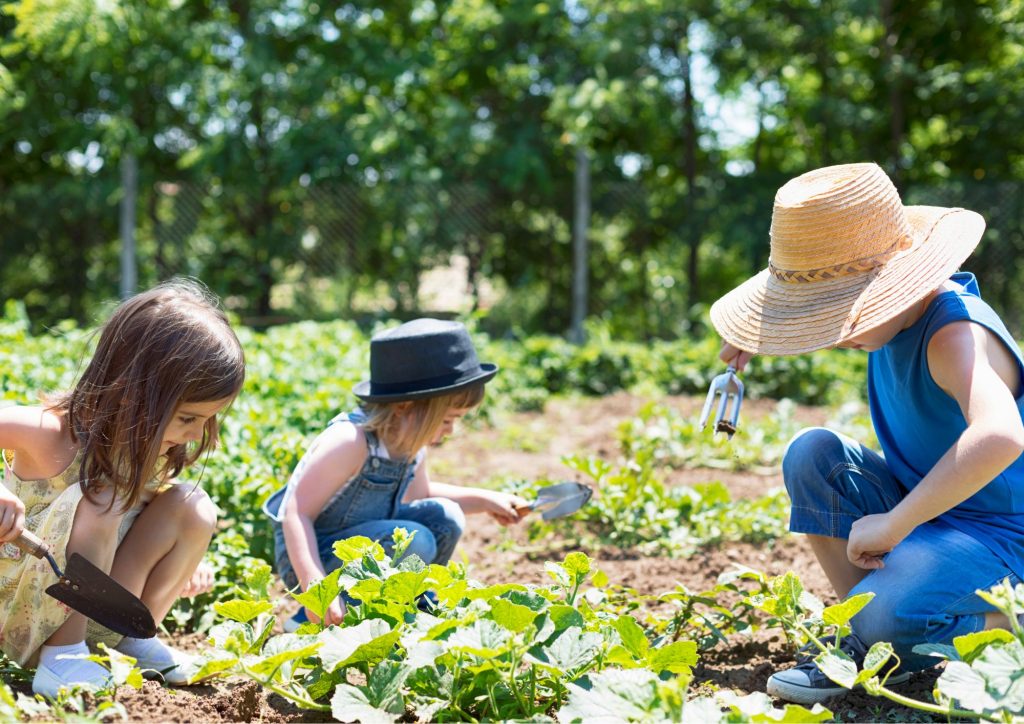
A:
x: 980, y: 680
x: 633, y: 508
x: 501, y: 651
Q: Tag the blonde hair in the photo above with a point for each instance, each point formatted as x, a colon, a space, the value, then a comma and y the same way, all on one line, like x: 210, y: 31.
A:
x: 426, y: 416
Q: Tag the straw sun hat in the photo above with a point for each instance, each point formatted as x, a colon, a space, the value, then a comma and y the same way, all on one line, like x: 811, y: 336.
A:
x: 846, y: 256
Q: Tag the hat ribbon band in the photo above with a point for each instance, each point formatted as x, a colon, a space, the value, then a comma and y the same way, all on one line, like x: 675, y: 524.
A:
x: 427, y: 383
x: 856, y: 266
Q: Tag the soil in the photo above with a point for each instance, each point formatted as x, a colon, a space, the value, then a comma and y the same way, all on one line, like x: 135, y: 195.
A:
x: 530, y: 445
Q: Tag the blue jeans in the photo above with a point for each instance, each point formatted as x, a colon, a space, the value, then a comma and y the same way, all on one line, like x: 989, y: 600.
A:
x: 437, y: 523
x: 926, y: 592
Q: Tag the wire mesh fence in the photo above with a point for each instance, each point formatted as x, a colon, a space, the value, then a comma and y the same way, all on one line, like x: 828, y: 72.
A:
x: 325, y: 250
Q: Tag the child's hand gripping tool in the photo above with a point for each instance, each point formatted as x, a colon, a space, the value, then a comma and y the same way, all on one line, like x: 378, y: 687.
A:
x: 726, y: 386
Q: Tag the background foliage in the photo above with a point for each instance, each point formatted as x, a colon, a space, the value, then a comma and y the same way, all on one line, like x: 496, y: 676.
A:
x: 307, y: 158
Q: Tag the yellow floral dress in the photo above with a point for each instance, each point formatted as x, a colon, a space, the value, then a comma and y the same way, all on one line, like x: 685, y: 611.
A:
x: 28, y: 615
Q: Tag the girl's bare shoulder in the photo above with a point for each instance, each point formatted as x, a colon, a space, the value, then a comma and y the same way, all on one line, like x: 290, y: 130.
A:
x: 342, y: 443
x: 39, y: 439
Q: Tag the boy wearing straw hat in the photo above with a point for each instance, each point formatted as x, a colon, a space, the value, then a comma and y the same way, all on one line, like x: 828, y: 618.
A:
x: 852, y: 267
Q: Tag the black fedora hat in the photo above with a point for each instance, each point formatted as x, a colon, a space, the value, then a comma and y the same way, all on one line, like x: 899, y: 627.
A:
x: 419, y: 359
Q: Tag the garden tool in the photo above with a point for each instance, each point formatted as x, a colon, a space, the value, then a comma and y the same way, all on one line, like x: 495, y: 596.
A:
x: 726, y: 386
x: 555, y: 501
x: 91, y: 592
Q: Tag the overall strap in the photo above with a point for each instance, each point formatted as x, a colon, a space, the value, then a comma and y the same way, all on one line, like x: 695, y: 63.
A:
x: 373, y: 445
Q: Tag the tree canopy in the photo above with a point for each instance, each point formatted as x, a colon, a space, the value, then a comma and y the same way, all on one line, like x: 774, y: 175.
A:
x: 338, y: 150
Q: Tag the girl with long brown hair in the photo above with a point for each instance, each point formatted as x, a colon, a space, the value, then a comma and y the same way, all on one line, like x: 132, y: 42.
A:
x: 92, y: 471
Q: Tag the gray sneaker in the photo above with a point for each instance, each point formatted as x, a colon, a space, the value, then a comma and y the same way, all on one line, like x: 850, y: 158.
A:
x: 806, y: 684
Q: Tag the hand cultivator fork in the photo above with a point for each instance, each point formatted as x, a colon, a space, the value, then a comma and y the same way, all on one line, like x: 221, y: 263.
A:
x: 726, y: 386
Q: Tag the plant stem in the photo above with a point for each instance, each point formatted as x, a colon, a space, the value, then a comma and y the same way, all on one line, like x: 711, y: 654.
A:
x: 930, y: 708
x: 809, y: 635
x: 494, y: 702
x: 513, y: 661
x: 300, y: 701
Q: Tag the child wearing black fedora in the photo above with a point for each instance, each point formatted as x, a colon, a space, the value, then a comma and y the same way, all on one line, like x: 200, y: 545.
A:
x: 366, y: 474
x: 940, y: 514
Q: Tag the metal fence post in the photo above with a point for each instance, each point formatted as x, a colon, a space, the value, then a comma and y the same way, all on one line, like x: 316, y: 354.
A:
x: 580, y: 232
x: 130, y: 192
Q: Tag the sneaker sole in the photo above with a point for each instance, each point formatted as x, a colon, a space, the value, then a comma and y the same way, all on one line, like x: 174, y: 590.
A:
x: 816, y: 695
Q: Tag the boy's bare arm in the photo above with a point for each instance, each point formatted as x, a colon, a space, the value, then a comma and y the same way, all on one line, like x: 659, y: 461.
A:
x: 967, y: 362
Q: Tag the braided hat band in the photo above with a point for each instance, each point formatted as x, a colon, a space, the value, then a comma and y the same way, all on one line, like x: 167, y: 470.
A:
x: 855, y: 266
x: 846, y: 256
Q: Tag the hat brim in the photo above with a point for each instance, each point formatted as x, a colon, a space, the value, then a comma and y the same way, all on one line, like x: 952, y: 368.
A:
x: 767, y: 316
x: 362, y: 390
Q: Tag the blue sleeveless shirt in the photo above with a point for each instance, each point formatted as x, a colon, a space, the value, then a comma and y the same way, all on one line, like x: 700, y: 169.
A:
x: 917, y: 422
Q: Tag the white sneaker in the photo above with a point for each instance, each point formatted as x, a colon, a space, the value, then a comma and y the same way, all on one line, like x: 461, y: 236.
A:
x: 81, y: 672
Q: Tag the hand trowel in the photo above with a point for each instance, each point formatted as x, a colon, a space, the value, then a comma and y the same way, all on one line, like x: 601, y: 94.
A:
x: 555, y: 501
x: 91, y: 592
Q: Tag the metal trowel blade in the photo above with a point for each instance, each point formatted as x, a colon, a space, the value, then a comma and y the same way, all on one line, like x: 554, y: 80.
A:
x: 96, y: 595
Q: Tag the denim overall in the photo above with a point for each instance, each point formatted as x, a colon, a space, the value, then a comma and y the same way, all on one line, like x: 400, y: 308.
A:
x: 370, y: 504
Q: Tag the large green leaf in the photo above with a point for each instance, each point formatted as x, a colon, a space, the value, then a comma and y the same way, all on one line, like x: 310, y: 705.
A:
x: 841, y: 613
x: 613, y: 696
x: 572, y: 650
x: 370, y: 641
x: 969, y: 646
x: 404, y: 587
x: 838, y: 666
x: 966, y: 687
x: 352, y: 549
x: 351, y: 704
x: 1002, y: 666
x: 512, y: 616
x: 678, y: 657
x: 633, y: 637
x: 241, y: 610
x: 759, y: 707
x: 564, y: 616
x: 281, y: 650
x: 484, y: 638
x: 208, y: 664
x: 318, y: 597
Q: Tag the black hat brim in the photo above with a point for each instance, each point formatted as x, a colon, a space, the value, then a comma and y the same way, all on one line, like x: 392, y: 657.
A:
x: 362, y: 390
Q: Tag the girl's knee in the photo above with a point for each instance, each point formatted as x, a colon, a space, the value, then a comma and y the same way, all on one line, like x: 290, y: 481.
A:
x: 454, y: 516
x: 196, y: 512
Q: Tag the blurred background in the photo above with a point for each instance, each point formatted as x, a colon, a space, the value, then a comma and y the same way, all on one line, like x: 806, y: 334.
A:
x: 537, y: 165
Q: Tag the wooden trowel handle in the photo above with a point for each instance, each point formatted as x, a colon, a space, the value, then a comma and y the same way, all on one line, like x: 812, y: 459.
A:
x: 32, y: 544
